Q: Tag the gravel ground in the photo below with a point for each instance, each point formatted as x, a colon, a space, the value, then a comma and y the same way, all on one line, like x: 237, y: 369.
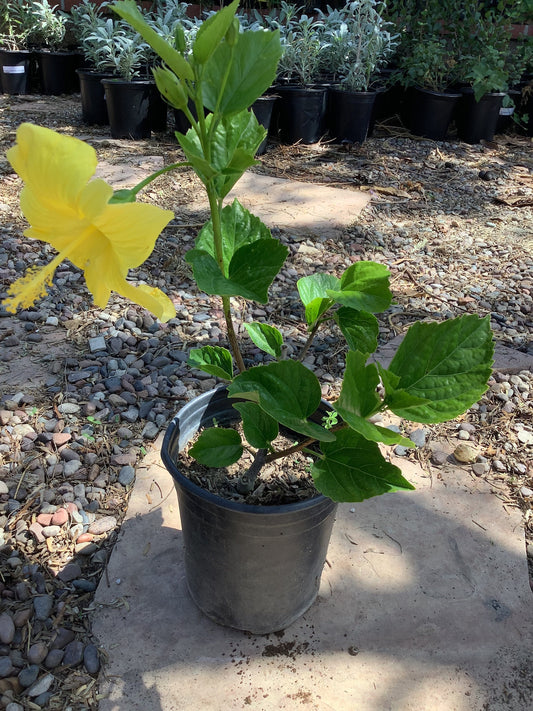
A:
x: 84, y: 393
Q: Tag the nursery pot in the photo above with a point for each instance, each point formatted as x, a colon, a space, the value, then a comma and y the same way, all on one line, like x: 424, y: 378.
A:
x: 254, y: 568
x: 15, y: 68
x: 428, y: 113
x: 128, y: 107
x: 93, y: 103
x: 350, y: 114
x: 158, y: 110
x: 477, y: 120
x: 58, y: 72
x: 262, y: 108
x: 300, y: 113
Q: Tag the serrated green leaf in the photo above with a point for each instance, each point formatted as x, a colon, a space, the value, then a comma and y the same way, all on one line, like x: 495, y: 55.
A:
x: 358, y: 400
x: 287, y: 391
x: 217, y: 447
x: 212, y: 32
x: 238, y: 227
x: 265, y: 337
x: 313, y: 292
x: 353, y: 469
x: 259, y: 428
x: 446, y: 364
x: 214, y: 360
x: 359, y: 328
x: 364, y: 286
x: 192, y: 148
x: 251, y: 271
x: 252, y: 66
x: 128, y: 10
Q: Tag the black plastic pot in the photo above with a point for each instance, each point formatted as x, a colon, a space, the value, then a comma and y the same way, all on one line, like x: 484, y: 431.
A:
x: 300, y: 113
x: 128, y: 107
x: 263, y: 108
x: 477, y: 120
x: 93, y: 102
x: 255, y: 568
x: 158, y: 110
x: 15, y: 68
x: 350, y: 114
x: 428, y: 113
x: 58, y: 72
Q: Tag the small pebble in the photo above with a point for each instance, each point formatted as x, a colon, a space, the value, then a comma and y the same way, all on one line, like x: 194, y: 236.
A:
x: 91, y: 660
x: 54, y: 658
x: 28, y: 676
x: 73, y: 653
x: 41, y: 685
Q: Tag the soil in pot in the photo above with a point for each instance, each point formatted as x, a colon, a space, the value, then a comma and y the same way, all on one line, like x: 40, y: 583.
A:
x: 252, y: 567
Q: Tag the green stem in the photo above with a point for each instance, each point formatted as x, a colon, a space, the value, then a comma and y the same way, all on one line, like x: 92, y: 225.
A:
x: 153, y: 176
x: 300, y: 446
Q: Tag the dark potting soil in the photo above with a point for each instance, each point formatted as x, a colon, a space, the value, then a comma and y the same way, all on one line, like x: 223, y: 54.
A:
x: 284, y: 481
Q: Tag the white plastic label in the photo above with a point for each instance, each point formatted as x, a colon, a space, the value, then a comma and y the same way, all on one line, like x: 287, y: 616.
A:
x: 507, y: 112
x: 18, y: 69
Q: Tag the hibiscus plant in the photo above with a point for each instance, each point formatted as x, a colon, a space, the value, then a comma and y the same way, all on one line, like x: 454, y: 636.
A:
x: 439, y: 370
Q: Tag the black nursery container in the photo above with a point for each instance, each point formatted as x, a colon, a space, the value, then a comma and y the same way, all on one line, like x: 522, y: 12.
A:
x: 263, y: 108
x: 58, y: 72
x: 428, y: 113
x: 350, y: 114
x: 15, y: 69
x: 128, y: 107
x: 477, y: 120
x: 93, y: 101
x: 255, y: 568
x: 300, y: 113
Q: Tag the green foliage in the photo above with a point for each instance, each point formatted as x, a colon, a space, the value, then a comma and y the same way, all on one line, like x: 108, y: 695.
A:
x: 438, y: 372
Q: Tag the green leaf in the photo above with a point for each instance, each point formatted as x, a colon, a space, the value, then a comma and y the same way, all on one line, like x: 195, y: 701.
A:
x: 358, y: 400
x: 251, y: 271
x: 359, y: 328
x: 212, y: 32
x: 251, y: 257
x: 313, y: 292
x: 364, y: 286
x: 259, y: 428
x: 265, y: 337
x: 252, y: 62
x: 445, y: 364
x: 232, y: 148
x: 353, y: 469
x: 214, y: 360
x: 217, y: 447
x: 128, y: 10
x: 238, y: 228
x: 287, y: 391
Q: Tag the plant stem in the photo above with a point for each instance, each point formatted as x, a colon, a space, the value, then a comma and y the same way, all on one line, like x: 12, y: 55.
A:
x: 153, y: 176
x: 247, y: 480
x: 309, y: 341
x: 301, y: 445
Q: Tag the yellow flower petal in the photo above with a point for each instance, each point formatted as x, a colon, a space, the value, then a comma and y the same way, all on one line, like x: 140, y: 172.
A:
x: 54, y: 167
x: 32, y: 286
x: 132, y: 230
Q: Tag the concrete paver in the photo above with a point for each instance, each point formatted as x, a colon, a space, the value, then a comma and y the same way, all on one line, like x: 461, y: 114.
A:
x: 424, y: 604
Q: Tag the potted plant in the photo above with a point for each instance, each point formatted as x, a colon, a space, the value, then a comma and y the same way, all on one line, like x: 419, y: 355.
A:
x: 301, y: 109
x: 57, y: 63
x: 250, y: 563
x: 483, y: 42
x: 94, y: 34
x: 16, y: 28
x: 358, y: 43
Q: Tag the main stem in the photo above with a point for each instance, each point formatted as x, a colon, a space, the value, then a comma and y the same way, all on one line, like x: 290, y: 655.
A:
x: 215, y: 207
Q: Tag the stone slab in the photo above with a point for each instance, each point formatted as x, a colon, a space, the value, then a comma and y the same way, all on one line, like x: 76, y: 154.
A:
x: 299, y: 207
x: 424, y: 604
x: 128, y: 174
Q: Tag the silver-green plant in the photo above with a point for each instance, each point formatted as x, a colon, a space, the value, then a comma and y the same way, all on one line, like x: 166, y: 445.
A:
x: 16, y: 24
x: 50, y: 24
x: 438, y: 371
x: 358, y: 42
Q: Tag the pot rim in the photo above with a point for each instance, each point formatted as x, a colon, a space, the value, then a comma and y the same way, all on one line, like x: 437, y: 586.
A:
x: 193, y: 488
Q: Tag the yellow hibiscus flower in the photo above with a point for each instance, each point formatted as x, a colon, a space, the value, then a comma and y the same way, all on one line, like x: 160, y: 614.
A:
x: 75, y: 217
